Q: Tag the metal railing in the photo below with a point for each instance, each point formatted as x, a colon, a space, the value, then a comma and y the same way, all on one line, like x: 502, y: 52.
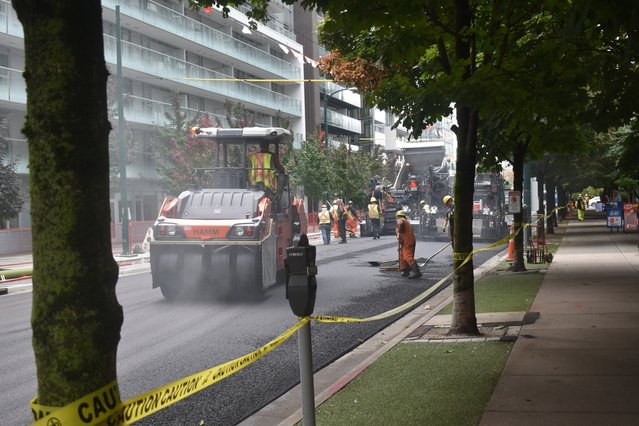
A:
x: 18, y: 240
x: 15, y: 241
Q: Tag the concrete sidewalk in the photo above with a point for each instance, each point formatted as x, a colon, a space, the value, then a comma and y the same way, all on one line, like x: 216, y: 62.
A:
x: 578, y: 364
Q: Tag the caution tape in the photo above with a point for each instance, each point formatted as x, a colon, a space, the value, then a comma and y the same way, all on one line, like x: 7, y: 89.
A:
x: 259, y: 80
x: 103, y: 405
x: 414, y: 301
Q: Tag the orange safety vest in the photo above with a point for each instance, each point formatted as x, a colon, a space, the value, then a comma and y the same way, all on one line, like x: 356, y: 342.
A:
x: 261, y: 170
x: 373, y: 211
x: 336, y: 213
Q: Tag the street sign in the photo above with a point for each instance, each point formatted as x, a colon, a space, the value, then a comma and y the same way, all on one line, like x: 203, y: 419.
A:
x: 614, y: 216
x: 514, y: 202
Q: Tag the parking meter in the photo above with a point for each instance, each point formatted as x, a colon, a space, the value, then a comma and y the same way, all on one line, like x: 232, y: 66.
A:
x: 301, y: 285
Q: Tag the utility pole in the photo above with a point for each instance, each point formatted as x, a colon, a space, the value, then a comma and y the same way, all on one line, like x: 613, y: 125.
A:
x: 124, y: 202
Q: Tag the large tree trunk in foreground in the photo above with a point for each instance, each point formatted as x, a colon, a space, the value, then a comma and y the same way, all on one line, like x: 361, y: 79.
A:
x: 76, y: 317
x: 464, y: 320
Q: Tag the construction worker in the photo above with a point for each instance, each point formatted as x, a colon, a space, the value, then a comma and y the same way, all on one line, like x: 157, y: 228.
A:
x: 342, y: 216
x: 374, y: 215
x: 449, y: 204
x: 581, y: 208
x: 425, y: 207
x: 335, y: 215
x: 352, y: 220
x: 324, y: 218
x: 406, y: 238
x: 262, y: 168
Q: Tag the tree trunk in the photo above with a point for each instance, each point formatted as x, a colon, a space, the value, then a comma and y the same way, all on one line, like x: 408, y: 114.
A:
x: 76, y: 317
x: 550, y: 204
x: 518, y: 185
x: 464, y: 320
x: 562, y: 199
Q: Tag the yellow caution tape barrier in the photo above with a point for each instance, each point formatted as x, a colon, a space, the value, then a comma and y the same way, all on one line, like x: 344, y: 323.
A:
x: 104, y: 405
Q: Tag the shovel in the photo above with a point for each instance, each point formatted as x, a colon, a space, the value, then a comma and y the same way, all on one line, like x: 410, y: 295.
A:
x: 388, y: 265
x: 421, y: 261
x: 394, y: 264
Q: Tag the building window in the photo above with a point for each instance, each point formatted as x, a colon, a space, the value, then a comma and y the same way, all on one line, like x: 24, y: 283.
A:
x: 149, y: 206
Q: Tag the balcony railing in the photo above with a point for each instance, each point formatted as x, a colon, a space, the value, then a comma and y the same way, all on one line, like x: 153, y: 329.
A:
x: 12, y: 86
x: 9, y: 23
x: 161, y: 65
x: 341, y: 121
x: 273, y: 23
x: 176, y: 23
x: 346, y: 96
x: 150, y: 62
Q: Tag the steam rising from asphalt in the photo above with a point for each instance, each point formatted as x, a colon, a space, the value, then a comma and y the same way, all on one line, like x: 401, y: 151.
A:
x: 218, y: 286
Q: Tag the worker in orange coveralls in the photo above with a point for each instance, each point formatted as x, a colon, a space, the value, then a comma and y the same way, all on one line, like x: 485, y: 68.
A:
x: 352, y: 221
x: 406, y: 238
x: 335, y: 211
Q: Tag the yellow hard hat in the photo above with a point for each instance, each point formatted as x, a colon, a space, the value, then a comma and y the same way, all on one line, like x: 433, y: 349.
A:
x: 400, y: 213
x: 373, y: 200
x: 447, y: 198
x: 422, y: 202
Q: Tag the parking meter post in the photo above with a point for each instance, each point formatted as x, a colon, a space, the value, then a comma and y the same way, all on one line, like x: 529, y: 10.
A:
x: 301, y: 287
x: 306, y: 375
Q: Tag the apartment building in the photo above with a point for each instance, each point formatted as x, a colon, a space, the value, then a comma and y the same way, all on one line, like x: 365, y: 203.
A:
x: 167, y: 47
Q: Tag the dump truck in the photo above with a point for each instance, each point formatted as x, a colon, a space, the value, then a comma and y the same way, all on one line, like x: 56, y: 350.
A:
x: 223, y: 237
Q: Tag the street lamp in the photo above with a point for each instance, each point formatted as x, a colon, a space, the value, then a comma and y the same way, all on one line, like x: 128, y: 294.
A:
x: 326, y: 96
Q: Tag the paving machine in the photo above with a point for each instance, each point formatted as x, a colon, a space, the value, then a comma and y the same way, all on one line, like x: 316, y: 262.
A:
x: 222, y: 237
x: 426, y: 173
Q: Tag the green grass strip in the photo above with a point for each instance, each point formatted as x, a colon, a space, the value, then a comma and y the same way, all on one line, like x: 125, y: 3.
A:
x: 421, y: 384
x: 504, y: 292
